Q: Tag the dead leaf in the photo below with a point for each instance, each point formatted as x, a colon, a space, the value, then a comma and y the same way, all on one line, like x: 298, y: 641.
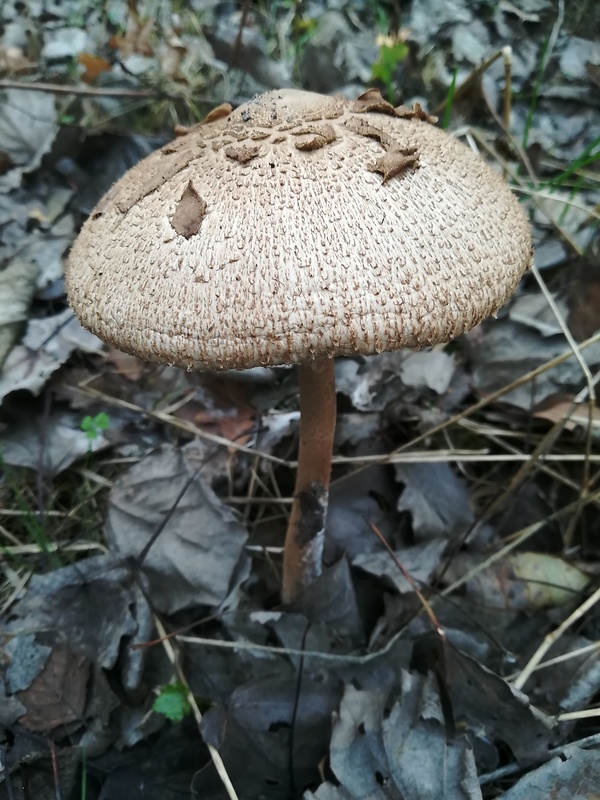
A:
x: 420, y: 562
x: 486, y: 703
x: 576, y: 774
x: 431, y: 368
x: 436, y: 498
x: 47, y: 344
x: 94, y: 66
x: 137, y: 38
x: 201, y: 547
x: 331, y: 599
x: 378, y: 752
x: 253, y: 732
x: 89, y: 606
x: 28, y: 126
x: 509, y: 349
x: 17, y: 287
x: 562, y: 409
x: 51, y: 447
x: 26, y: 658
x: 57, y: 695
x: 522, y: 581
x: 130, y: 367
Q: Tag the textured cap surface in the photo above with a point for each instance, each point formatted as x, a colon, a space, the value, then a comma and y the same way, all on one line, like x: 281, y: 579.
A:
x: 298, y: 226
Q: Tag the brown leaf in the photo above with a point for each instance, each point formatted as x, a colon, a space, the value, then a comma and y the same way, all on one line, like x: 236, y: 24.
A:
x: 416, y: 112
x: 242, y: 153
x: 371, y: 100
x: 189, y: 213
x: 558, y: 407
x: 224, y: 110
x: 312, y: 137
x: 395, y: 162
x: 584, y: 293
x: 137, y: 39
x: 94, y: 66
x: 130, y: 367
x: 57, y: 695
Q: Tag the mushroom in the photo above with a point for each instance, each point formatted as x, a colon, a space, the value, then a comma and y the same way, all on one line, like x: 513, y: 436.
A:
x: 297, y: 228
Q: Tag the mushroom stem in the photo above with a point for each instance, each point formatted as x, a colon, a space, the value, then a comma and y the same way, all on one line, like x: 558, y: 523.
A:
x: 303, y: 553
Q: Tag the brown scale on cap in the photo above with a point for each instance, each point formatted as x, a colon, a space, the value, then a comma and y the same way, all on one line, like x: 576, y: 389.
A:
x: 297, y: 228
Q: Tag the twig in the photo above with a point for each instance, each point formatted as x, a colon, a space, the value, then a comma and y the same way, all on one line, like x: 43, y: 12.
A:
x: 444, y: 456
x: 214, y: 753
x: 182, y: 424
x: 472, y: 79
x: 84, y: 91
x: 408, y: 577
x: 57, y: 787
x: 553, y: 637
x: 518, y: 538
x: 585, y: 713
x: 485, y: 401
x: 591, y: 396
x: 552, y: 662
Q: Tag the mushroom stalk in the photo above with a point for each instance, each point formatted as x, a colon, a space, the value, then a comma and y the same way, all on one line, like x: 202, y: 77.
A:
x: 303, y: 553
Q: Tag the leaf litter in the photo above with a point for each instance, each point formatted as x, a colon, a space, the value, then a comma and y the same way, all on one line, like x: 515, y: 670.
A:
x: 475, y: 479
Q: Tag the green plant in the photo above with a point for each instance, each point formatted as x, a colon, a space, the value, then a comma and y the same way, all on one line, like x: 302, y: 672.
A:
x: 33, y: 526
x: 450, y: 100
x: 93, y: 426
x: 391, y: 53
x: 172, y: 702
x: 83, y: 774
x: 535, y: 93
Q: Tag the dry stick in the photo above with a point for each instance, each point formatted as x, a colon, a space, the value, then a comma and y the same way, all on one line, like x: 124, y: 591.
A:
x: 591, y: 398
x: 408, y: 577
x: 84, y: 91
x: 546, y: 443
x: 485, y: 401
x: 553, y: 637
x: 303, y: 553
x: 517, y: 539
x: 100, y: 91
x: 585, y: 713
x: 472, y: 80
x: 577, y: 653
x: 175, y: 422
x: 562, y: 233
x: 507, y: 57
x: 214, y: 753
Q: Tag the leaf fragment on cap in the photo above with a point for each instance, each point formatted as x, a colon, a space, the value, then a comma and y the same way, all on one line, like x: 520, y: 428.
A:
x: 371, y: 100
x: 224, y: 110
x: 416, y: 112
x: 189, y: 214
x: 241, y: 153
x: 395, y: 162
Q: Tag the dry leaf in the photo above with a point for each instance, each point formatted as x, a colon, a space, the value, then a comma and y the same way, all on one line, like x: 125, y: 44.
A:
x: 57, y: 695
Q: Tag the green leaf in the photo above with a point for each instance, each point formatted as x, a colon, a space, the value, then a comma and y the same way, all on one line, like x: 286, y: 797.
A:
x: 102, y: 421
x: 93, y: 425
x: 172, y: 702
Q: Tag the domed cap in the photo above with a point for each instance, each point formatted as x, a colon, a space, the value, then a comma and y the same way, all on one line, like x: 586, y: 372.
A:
x: 295, y: 227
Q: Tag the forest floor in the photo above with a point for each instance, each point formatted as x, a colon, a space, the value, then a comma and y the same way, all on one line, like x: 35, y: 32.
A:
x: 451, y: 646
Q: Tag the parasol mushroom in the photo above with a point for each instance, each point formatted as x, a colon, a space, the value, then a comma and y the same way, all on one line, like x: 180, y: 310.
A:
x: 297, y: 228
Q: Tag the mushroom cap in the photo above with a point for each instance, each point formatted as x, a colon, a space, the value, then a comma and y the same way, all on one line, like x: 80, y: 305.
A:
x: 295, y: 227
